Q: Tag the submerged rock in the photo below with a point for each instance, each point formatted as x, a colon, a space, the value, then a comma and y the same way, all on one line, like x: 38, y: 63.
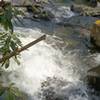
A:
x: 60, y: 89
x: 80, y: 20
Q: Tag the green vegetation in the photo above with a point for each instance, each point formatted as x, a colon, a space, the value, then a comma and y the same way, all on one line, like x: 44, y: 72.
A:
x: 9, y: 41
x: 10, y: 93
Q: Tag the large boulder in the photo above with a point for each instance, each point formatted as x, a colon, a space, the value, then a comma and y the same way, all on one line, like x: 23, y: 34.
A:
x: 86, y: 10
x: 93, y: 76
x: 95, y: 33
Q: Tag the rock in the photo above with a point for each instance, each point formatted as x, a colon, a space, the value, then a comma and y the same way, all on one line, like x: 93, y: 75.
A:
x: 39, y: 12
x: 94, y: 77
x: 93, y: 3
x: 98, y: 4
x: 80, y: 20
x: 95, y: 34
x: 24, y: 2
x: 43, y: 15
x: 86, y: 10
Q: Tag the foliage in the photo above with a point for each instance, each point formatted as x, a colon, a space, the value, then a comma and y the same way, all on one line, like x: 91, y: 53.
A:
x: 10, y: 92
x: 9, y: 41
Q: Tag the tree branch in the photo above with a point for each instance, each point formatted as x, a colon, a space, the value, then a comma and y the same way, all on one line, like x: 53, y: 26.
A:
x: 16, y: 52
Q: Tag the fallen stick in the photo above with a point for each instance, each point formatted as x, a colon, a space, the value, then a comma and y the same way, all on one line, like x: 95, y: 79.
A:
x: 16, y: 52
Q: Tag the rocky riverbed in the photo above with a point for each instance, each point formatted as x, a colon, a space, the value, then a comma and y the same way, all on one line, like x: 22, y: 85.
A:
x: 55, y: 69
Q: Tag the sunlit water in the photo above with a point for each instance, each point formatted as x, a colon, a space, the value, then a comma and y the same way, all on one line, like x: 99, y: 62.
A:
x: 45, y: 73
x: 49, y: 70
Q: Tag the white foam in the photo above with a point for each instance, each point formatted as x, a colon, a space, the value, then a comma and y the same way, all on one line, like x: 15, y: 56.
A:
x: 37, y: 63
x: 42, y: 61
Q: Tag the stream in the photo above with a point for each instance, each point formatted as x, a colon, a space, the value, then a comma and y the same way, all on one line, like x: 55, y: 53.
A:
x: 56, y: 68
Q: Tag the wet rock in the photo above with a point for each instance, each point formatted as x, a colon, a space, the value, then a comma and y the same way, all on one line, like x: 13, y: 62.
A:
x: 79, y: 20
x: 95, y: 34
x: 50, y: 87
x: 25, y: 2
x: 98, y: 4
x: 43, y: 15
x: 39, y: 12
x: 93, y: 3
x: 94, y: 77
x: 60, y: 89
x: 59, y: 11
x: 86, y: 10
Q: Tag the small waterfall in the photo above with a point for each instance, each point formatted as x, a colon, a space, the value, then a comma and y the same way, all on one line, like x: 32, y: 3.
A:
x: 37, y: 63
x: 45, y: 73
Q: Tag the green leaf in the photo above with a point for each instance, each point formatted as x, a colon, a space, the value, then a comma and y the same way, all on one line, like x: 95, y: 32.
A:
x: 2, y: 91
x: 9, y: 41
x: 10, y: 96
x: 7, y: 64
x: 16, y: 92
x: 16, y: 60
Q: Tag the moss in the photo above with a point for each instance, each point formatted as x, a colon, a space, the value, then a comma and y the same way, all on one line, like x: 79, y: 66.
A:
x: 97, y: 22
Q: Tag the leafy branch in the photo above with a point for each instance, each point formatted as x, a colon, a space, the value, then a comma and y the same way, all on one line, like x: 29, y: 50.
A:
x: 9, y: 41
x: 11, y: 92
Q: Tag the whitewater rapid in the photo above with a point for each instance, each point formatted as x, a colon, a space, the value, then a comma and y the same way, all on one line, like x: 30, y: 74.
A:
x: 44, y: 63
x: 37, y: 63
x: 45, y: 72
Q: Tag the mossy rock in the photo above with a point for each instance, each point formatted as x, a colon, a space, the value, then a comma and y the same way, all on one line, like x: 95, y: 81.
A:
x: 95, y: 33
x: 93, y: 76
x: 39, y: 12
x: 86, y: 10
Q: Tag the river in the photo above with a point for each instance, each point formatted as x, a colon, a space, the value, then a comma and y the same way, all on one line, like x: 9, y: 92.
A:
x: 56, y: 68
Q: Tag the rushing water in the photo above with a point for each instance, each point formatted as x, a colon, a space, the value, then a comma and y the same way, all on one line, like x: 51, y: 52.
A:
x: 49, y: 71
x: 53, y: 69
